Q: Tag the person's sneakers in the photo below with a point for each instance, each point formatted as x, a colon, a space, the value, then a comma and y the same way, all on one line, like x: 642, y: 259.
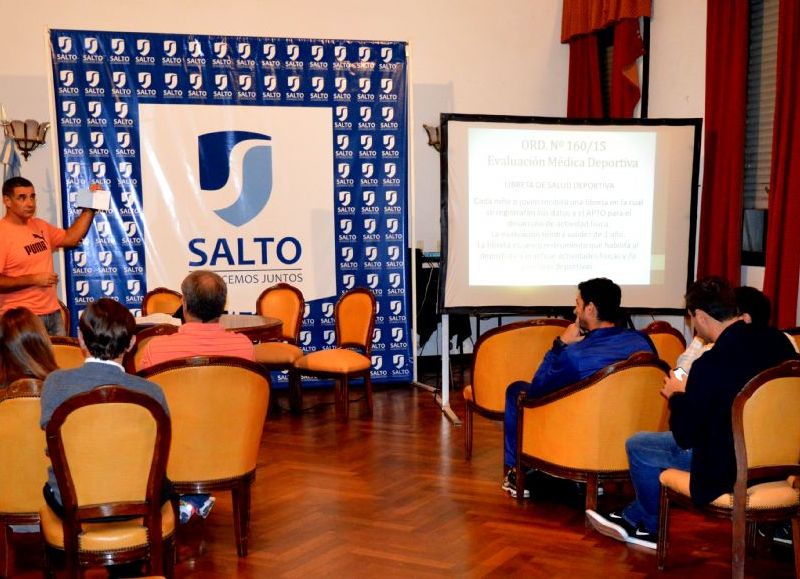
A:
x: 611, y: 525
x: 186, y: 510
x: 643, y: 538
x: 206, y: 507
x: 615, y: 526
x: 510, y: 485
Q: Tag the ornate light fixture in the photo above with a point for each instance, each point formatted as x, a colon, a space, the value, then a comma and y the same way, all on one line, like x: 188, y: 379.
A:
x: 433, y: 136
x: 28, y: 135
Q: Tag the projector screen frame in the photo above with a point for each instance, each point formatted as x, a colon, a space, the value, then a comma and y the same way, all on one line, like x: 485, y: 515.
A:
x: 559, y: 309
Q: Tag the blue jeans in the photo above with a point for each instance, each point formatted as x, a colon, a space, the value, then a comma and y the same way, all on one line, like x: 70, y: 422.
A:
x: 650, y: 453
x: 510, y: 422
x: 53, y: 323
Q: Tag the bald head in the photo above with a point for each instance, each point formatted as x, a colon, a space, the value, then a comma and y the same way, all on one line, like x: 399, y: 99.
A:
x: 204, y: 295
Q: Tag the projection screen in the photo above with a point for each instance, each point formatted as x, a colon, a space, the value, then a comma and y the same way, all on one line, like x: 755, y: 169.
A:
x: 532, y: 206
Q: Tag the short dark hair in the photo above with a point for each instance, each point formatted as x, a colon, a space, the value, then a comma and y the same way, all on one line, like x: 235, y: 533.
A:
x: 107, y: 328
x: 714, y: 295
x: 205, y: 294
x: 13, y: 183
x: 753, y: 302
x: 605, y: 295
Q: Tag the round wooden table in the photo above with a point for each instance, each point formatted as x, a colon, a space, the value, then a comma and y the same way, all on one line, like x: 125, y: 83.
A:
x: 257, y: 328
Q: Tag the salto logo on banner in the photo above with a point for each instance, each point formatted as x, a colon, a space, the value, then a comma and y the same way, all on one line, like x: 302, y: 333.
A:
x: 214, y: 151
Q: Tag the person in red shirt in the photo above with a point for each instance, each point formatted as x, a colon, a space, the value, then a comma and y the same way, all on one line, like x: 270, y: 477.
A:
x: 204, y: 297
x: 27, y: 278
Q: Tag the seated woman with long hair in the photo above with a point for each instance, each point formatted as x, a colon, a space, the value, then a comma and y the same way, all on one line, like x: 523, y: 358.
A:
x: 25, y: 350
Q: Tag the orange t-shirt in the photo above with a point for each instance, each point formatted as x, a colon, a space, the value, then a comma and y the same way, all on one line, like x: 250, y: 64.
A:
x: 24, y: 250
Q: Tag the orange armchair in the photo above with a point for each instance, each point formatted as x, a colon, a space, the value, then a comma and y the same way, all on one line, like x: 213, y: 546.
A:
x: 109, y: 450
x: 669, y: 342
x: 67, y: 352
x: 23, y: 463
x: 286, y: 303
x: 161, y: 300
x: 355, y: 319
x: 579, y: 432
x: 218, y: 405
x: 502, y: 356
x: 766, y: 436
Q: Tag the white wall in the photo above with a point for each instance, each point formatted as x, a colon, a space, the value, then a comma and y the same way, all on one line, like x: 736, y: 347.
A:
x: 467, y: 56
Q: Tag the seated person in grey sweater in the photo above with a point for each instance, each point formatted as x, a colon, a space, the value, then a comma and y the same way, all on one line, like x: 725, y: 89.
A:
x: 106, y: 331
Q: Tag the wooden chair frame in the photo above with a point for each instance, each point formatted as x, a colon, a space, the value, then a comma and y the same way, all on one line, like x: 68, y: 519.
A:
x: 156, y: 292
x: 592, y: 478
x: 22, y: 388
x: 471, y: 406
x: 295, y: 392
x: 342, y: 388
x: 159, y: 550
x: 743, y: 519
x: 64, y: 311
x: 240, y: 486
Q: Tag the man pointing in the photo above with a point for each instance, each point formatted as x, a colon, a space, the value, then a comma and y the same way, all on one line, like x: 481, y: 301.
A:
x: 27, y: 278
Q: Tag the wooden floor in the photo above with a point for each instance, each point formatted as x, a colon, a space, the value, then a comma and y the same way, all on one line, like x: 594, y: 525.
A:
x: 392, y: 496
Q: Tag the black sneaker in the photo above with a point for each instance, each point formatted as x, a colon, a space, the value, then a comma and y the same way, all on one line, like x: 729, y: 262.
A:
x: 510, y: 485
x: 611, y: 525
x: 643, y: 538
x: 783, y: 534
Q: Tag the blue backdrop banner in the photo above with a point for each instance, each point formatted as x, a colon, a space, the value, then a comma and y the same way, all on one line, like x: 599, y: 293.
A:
x: 265, y: 160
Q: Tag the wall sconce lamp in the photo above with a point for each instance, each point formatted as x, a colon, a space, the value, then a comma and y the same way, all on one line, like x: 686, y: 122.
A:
x: 28, y: 135
x: 433, y: 136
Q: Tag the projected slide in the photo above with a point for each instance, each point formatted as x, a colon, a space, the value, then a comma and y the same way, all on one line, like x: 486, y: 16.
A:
x: 547, y: 205
x: 532, y: 206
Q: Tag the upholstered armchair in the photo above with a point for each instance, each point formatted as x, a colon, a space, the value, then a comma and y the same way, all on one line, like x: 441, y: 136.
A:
x: 218, y: 405
x: 766, y: 436
x: 579, y: 432
x: 355, y: 319
x: 286, y: 303
x: 109, y: 449
x: 504, y: 355
x: 67, y: 352
x: 23, y: 463
x: 161, y: 300
x: 669, y: 342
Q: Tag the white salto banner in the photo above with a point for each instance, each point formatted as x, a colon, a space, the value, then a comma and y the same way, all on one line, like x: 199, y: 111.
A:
x: 265, y: 160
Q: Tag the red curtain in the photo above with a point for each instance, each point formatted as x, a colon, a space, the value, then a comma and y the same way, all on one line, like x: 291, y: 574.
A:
x: 628, y: 47
x: 584, y: 94
x: 783, y: 237
x: 581, y: 19
x: 719, y: 247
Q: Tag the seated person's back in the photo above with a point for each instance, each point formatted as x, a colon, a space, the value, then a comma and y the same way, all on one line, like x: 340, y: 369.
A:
x: 106, y: 331
x: 204, y: 296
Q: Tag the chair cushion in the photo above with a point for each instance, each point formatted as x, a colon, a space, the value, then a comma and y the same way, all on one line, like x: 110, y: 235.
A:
x: 467, y: 392
x: 277, y: 353
x: 99, y: 537
x: 768, y: 495
x: 336, y: 360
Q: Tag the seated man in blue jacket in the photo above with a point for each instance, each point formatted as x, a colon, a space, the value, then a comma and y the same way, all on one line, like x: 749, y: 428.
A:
x: 591, y: 343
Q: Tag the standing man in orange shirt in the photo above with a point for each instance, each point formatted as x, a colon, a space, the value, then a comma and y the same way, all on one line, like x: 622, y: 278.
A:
x: 27, y: 278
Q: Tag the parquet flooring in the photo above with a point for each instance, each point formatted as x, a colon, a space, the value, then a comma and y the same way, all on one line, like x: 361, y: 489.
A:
x: 392, y: 496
